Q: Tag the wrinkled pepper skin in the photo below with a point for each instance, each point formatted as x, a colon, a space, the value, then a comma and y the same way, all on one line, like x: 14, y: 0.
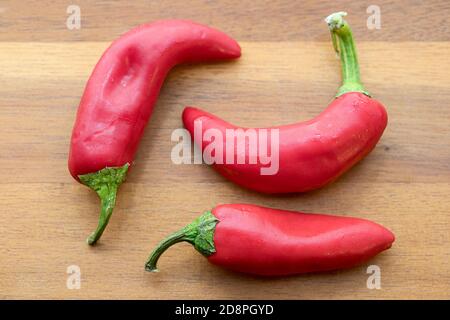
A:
x: 270, y: 242
x: 120, y: 95
x: 311, y: 153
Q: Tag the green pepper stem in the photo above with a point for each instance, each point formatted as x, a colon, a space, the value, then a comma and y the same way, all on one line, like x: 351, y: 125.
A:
x: 108, y: 201
x: 176, y: 237
x: 106, y: 183
x: 343, y: 43
x: 199, y: 233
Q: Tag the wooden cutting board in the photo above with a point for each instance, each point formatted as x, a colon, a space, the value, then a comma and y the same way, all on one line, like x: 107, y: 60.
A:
x: 288, y: 72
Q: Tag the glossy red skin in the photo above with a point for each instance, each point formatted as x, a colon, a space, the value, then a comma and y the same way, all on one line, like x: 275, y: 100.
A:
x: 311, y: 153
x: 120, y: 95
x: 269, y: 242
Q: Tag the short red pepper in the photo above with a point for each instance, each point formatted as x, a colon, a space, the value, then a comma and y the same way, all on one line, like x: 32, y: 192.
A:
x: 119, y: 97
x: 269, y: 242
x: 311, y: 153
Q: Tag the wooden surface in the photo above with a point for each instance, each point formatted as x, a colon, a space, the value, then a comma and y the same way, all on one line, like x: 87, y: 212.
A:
x: 288, y: 72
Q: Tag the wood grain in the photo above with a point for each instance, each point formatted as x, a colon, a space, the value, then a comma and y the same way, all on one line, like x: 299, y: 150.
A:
x: 403, y: 184
x: 260, y: 20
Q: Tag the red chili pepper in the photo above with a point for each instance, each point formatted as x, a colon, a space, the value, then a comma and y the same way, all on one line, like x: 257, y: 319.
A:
x: 269, y: 242
x: 119, y: 98
x: 312, y: 153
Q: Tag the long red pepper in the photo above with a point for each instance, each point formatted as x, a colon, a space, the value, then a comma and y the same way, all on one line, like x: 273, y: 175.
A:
x: 269, y: 242
x: 311, y: 153
x: 119, y: 97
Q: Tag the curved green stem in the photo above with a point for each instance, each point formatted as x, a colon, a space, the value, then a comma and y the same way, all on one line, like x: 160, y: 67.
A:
x: 343, y: 43
x: 106, y: 183
x: 176, y: 237
x: 199, y: 233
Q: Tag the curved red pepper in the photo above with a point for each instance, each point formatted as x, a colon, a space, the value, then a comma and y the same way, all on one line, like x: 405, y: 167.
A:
x: 119, y: 97
x: 269, y: 242
x: 315, y: 152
